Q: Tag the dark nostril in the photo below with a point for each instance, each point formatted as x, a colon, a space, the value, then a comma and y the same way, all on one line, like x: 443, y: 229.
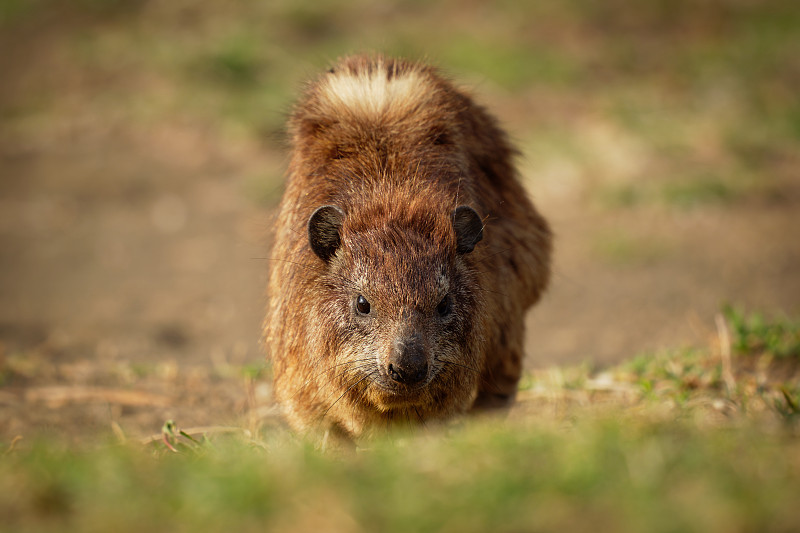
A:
x: 394, y: 374
x: 408, y: 376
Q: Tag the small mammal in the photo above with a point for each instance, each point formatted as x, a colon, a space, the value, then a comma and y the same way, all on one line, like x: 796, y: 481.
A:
x: 406, y: 254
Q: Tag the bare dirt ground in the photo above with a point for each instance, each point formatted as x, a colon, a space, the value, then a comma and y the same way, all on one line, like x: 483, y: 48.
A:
x: 133, y: 263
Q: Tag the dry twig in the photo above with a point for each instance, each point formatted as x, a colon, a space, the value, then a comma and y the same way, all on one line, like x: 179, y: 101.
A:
x: 725, y: 354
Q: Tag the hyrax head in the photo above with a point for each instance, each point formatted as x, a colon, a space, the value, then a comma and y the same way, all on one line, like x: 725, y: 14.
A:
x: 399, y: 301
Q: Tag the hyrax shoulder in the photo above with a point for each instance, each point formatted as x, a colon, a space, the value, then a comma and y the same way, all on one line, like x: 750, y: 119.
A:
x: 406, y: 253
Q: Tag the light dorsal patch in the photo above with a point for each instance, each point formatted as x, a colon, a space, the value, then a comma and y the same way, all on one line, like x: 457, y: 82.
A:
x: 373, y: 93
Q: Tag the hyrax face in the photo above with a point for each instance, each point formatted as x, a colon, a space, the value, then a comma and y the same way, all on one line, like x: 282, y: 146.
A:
x: 397, y: 306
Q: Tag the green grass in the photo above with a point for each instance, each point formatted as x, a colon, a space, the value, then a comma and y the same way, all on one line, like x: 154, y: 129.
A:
x: 779, y: 337
x: 660, y: 443
x: 610, y: 472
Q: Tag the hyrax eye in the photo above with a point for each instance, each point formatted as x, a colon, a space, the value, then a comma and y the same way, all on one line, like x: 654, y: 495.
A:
x: 362, y: 305
x: 445, y: 307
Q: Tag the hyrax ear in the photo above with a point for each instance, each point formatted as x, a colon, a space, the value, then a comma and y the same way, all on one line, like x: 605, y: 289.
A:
x: 324, y: 226
x: 469, y: 228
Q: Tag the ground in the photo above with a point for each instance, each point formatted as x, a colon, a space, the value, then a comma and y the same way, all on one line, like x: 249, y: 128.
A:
x: 137, y: 190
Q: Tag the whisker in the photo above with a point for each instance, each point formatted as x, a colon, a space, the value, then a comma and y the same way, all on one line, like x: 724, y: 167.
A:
x: 345, y: 392
x: 336, y: 376
x: 458, y: 190
x: 448, y: 362
x: 493, y: 292
x: 312, y: 268
x: 289, y: 261
x: 348, y: 373
x: 366, y: 359
x: 505, y: 250
x: 421, y: 420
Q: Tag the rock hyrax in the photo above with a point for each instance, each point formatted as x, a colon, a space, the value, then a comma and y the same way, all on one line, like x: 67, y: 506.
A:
x: 406, y: 253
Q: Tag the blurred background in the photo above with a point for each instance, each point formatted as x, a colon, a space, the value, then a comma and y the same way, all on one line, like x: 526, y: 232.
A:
x: 142, y: 158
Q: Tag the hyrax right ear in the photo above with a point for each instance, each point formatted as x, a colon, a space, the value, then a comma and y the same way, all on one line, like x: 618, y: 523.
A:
x: 468, y: 227
x: 324, y: 226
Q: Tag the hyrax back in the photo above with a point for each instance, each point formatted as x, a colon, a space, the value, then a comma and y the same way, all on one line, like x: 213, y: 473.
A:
x: 406, y: 253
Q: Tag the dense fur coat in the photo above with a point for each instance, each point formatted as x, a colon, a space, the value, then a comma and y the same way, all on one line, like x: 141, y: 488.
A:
x: 406, y: 253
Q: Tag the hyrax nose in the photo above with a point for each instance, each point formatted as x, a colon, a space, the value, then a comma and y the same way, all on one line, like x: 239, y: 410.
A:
x: 408, y: 363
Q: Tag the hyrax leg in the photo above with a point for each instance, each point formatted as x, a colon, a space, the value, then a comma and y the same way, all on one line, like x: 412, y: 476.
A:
x: 502, y: 370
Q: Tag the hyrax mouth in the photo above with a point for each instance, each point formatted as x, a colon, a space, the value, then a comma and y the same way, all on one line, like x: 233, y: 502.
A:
x: 398, y: 385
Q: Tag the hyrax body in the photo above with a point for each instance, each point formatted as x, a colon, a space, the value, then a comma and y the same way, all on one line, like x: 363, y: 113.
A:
x: 406, y: 254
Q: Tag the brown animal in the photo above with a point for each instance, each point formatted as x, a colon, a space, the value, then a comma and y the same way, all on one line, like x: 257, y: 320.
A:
x: 406, y: 254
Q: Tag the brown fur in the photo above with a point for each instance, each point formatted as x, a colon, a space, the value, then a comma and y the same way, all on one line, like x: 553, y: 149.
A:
x: 397, y: 148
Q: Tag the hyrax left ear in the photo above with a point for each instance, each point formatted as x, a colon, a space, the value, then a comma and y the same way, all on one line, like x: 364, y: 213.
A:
x: 468, y: 227
x: 324, y: 227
